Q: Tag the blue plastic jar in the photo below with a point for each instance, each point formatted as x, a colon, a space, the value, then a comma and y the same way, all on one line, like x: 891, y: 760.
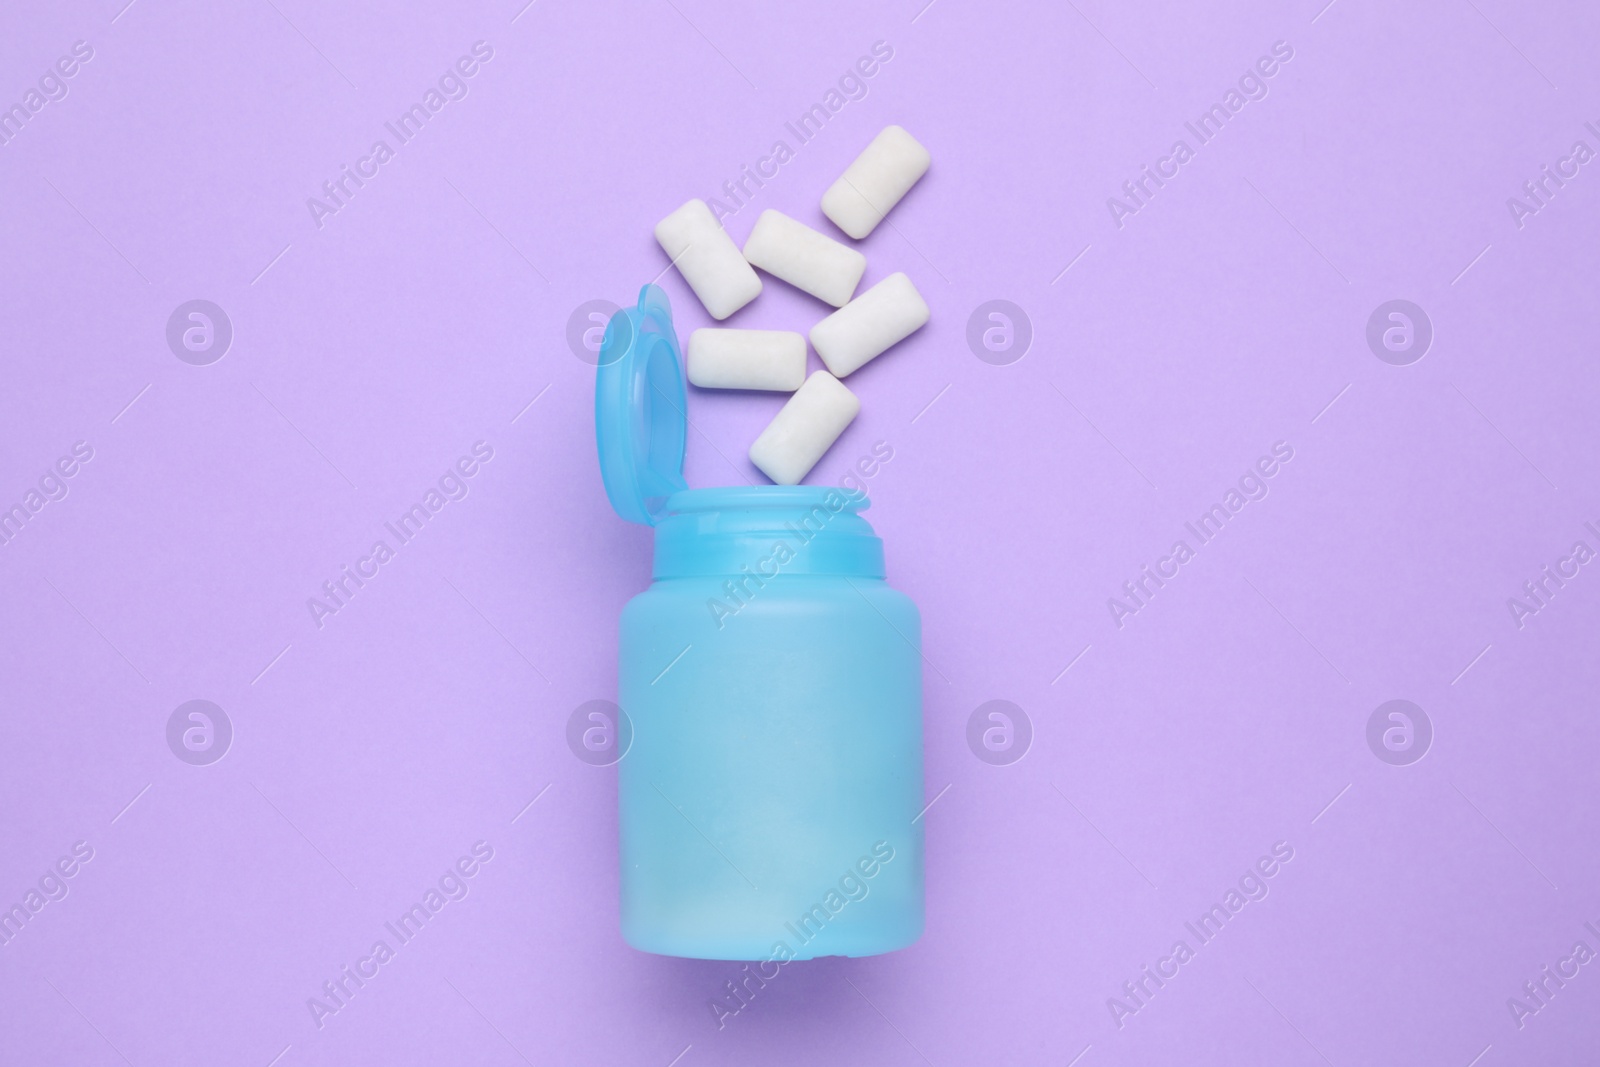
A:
x: 769, y: 803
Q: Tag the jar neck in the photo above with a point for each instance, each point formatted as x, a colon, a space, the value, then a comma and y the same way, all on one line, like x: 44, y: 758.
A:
x: 767, y: 531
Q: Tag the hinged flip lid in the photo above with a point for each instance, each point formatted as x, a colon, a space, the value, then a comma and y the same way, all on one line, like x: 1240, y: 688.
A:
x: 639, y: 417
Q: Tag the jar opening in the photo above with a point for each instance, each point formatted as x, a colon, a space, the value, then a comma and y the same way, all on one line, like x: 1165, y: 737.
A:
x: 739, y: 497
x: 767, y: 529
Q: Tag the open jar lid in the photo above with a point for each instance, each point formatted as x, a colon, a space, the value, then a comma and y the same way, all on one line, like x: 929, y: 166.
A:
x: 639, y: 409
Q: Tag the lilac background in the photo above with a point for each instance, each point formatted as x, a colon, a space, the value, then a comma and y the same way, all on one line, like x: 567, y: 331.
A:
x: 1228, y: 715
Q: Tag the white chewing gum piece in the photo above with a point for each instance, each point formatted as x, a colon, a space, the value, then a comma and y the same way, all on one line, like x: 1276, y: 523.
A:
x: 747, y: 359
x: 810, y: 261
x: 805, y: 429
x: 870, y: 187
x: 708, y: 259
x: 869, y: 325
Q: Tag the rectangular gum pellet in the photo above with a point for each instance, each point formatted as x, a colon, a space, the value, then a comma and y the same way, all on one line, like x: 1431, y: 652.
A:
x: 708, y: 259
x: 869, y: 325
x: 810, y: 261
x: 747, y: 359
x: 872, y: 185
x: 804, y: 429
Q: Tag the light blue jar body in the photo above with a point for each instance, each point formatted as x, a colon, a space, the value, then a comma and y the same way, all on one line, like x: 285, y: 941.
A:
x: 769, y: 803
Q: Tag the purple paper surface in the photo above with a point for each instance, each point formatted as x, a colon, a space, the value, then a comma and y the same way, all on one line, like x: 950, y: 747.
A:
x: 1377, y: 502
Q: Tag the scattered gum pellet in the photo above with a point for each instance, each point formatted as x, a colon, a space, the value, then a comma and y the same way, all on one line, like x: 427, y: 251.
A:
x: 805, y: 429
x: 871, y: 186
x: 747, y: 359
x: 708, y: 259
x: 869, y: 325
x: 810, y: 261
